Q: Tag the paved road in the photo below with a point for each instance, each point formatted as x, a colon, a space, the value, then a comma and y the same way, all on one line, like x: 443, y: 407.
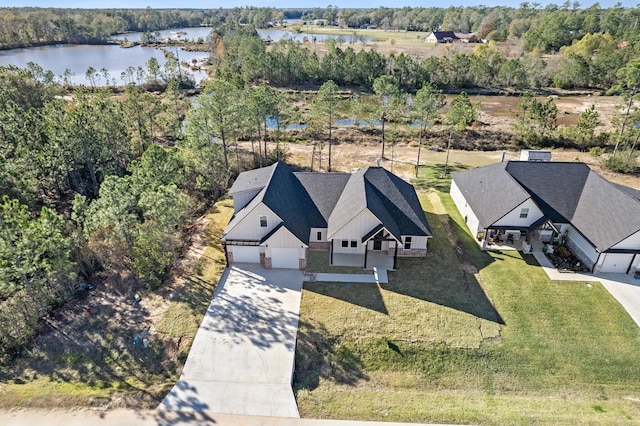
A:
x: 158, y: 418
x: 242, y: 358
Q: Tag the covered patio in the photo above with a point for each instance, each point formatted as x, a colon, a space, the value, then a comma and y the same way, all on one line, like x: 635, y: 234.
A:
x: 377, y: 259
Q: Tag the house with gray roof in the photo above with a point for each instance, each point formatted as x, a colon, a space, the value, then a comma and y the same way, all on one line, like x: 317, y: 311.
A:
x: 368, y: 218
x: 550, y: 201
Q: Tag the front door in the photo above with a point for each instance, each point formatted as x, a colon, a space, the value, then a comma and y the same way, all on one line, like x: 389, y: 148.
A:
x: 377, y: 244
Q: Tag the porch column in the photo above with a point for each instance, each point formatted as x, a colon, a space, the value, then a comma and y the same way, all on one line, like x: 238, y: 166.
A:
x: 395, y: 256
x: 366, y: 251
x: 331, y: 253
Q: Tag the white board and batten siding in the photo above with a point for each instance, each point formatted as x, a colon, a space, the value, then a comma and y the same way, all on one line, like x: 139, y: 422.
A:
x: 249, y: 228
x: 581, y: 242
x: 630, y: 243
x: 360, y: 225
x: 284, y: 249
x: 241, y: 199
x: 465, y: 210
x: 513, y: 217
x: 418, y: 242
x: 313, y: 235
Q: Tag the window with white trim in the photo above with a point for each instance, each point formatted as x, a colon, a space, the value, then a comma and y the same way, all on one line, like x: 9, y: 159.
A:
x: 263, y: 221
x: 319, y: 236
x: 407, y: 243
x: 524, y: 213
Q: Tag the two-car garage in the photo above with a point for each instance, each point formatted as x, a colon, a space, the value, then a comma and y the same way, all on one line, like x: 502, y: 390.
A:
x: 615, y: 262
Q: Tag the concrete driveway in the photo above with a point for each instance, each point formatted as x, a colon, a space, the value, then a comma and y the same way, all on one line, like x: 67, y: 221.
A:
x: 242, y: 358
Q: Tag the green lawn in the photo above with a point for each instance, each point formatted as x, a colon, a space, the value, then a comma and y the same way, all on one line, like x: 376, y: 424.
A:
x: 443, y: 342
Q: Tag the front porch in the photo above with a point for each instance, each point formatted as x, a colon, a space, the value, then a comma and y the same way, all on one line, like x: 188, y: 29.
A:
x: 374, y: 259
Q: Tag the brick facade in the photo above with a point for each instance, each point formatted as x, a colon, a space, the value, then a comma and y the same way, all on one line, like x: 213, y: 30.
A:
x: 577, y: 251
x: 412, y: 252
x: 302, y: 264
x: 319, y: 245
x: 229, y: 254
x: 262, y: 259
x: 267, y: 263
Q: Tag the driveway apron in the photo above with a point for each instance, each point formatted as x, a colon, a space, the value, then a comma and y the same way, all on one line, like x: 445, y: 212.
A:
x: 242, y: 358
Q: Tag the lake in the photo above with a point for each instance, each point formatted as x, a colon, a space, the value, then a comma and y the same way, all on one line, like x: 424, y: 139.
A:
x: 116, y: 59
x: 80, y: 57
x: 274, y: 34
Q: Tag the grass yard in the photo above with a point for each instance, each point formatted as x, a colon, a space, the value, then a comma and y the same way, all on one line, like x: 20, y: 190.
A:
x: 464, y: 336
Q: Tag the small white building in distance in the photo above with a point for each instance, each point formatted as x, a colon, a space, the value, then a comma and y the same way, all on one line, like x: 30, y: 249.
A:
x: 535, y: 155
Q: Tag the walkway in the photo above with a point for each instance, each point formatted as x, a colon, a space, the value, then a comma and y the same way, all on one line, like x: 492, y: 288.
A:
x: 624, y: 288
x: 377, y: 277
x: 242, y: 358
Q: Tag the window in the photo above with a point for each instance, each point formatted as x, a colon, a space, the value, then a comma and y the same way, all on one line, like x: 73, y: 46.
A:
x: 345, y: 243
x: 354, y: 244
x: 263, y: 221
x: 407, y: 243
x: 319, y: 236
x: 524, y: 213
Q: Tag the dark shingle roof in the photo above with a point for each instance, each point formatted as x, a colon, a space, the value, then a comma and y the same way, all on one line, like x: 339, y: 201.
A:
x: 490, y: 191
x: 318, y: 200
x: 324, y: 189
x: 602, y: 212
x: 252, y: 180
x: 555, y: 187
x: 392, y: 200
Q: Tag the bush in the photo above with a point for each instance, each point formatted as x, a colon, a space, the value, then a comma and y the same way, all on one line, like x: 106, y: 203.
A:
x: 622, y: 162
x: 596, y: 151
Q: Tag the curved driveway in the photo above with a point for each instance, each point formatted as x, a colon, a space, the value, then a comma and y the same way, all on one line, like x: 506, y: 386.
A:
x: 242, y: 358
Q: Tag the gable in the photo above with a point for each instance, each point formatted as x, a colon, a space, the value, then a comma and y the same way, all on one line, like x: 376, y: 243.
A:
x: 280, y: 236
x: 246, y: 224
x: 490, y: 191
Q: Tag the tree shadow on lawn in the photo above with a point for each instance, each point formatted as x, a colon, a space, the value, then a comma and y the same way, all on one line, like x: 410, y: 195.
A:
x: 447, y: 275
x: 366, y: 295
x: 320, y: 355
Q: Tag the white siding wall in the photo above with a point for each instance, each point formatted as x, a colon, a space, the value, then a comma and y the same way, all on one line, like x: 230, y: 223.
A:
x: 301, y: 252
x: 241, y: 199
x: 631, y: 243
x: 364, y: 222
x: 465, y: 210
x: 249, y: 228
x: 386, y: 245
x: 417, y: 242
x: 581, y: 242
x: 283, y: 238
x: 513, y: 217
x: 359, y: 249
x: 314, y: 234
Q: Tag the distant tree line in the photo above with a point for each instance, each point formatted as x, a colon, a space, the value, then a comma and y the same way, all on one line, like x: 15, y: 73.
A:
x: 547, y: 29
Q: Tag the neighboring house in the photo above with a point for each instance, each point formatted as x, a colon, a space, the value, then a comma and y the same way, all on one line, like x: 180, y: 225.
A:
x: 451, y: 37
x: 550, y: 201
x: 367, y: 218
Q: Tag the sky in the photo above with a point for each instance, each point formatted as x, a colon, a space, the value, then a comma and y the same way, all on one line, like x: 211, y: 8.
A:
x: 206, y: 4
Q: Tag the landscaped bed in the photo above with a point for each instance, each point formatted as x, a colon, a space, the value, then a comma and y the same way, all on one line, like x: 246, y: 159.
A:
x: 441, y: 344
x: 564, y: 260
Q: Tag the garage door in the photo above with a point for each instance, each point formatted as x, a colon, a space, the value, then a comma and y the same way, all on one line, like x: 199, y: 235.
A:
x: 618, y: 262
x: 248, y: 254
x: 284, y: 258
